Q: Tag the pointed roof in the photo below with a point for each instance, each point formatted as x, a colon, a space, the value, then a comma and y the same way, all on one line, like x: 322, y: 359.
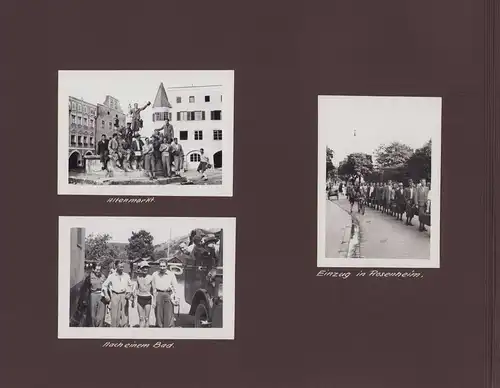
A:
x: 161, y: 99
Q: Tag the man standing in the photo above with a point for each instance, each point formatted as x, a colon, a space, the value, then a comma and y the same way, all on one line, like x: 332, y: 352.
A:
x: 164, y: 284
x: 136, y: 116
x: 400, y: 202
x: 166, y: 160
x: 178, y: 154
x: 156, y: 142
x: 202, y: 168
x: 117, y: 289
x: 103, y: 151
x: 387, y: 197
x: 97, y: 306
x: 143, y: 293
x: 113, y: 150
x: 137, y: 145
x: 421, y: 201
x: 149, y: 161
x: 168, y: 131
x: 409, y: 195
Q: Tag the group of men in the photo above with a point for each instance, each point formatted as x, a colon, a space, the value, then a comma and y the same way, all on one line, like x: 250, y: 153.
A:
x: 156, y: 292
x: 127, y: 148
x: 394, y: 199
x: 118, y: 293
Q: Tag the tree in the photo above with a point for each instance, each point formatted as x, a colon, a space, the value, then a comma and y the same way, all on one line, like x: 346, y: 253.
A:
x: 330, y: 168
x: 357, y: 162
x: 97, y: 247
x: 393, y: 155
x: 140, y: 245
x: 419, y: 164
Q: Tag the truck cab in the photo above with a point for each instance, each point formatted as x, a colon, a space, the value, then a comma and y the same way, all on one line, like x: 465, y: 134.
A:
x: 204, y: 280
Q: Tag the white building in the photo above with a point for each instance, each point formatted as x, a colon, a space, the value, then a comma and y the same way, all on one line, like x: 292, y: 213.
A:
x: 195, y: 113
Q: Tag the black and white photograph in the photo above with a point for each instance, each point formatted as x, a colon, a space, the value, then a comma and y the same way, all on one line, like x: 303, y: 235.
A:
x: 146, y: 277
x: 379, y: 181
x: 145, y: 132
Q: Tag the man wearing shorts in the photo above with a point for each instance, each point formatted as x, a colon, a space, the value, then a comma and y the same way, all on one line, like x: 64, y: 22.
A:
x: 143, y: 293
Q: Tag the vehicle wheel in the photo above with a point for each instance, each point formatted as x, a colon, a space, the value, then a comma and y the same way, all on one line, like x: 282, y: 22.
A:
x: 201, y: 315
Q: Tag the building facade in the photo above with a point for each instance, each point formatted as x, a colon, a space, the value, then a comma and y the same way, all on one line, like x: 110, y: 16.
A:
x: 82, y: 131
x: 107, y: 115
x: 196, y: 115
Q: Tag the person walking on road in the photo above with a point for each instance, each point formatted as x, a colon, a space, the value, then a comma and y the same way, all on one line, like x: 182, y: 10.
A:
x: 97, y: 303
x: 164, y: 284
x: 400, y: 202
x: 422, y: 194
x: 117, y: 290
x: 143, y: 293
x: 409, y: 195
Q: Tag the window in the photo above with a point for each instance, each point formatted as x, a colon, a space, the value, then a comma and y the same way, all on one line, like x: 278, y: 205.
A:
x: 197, y: 115
x: 170, y: 116
x: 72, y: 139
x: 91, y: 141
x: 73, y: 106
x: 102, y: 124
x: 198, y: 135
x: 191, y: 98
x: 92, y: 111
x: 217, y: 134
x: 84, y: 121
x: 85, y: 140
x: 79, y: 120
x: 215, y: 115
x: 79, y: 140
x: 190, y: 116
x: 110, y: 125
x: 73, y: 119
x: 194, y: 157
x: 92, y: 123
x: 207, y: 98
x: 178, y: 100
x: 84, y: 109
x: 183, y: 135
x: 221, y: 98
x: 79, y: 107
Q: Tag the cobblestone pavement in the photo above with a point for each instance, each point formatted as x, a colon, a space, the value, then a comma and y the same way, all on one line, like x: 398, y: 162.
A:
x: 383, y: 237
x: 121, y: 177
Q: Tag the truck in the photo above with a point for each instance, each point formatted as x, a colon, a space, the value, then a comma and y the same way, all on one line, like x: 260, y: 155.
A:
x: 204, y: 281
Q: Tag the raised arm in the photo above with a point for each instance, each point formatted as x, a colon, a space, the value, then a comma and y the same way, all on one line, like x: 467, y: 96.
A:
x: 144, y: 107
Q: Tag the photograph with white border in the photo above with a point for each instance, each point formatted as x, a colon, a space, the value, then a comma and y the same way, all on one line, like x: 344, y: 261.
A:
x: 145, y: 132
x: 379, y: 175
x: 146, y: 278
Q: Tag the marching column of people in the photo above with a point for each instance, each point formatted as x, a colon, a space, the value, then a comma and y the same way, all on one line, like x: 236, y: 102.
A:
x: 392, y: 198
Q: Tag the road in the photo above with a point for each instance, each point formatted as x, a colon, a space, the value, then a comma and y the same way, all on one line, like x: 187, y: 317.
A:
x: 381, y: 236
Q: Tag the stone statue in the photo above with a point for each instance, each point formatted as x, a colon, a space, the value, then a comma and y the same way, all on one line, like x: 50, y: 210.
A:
x: 136, y: 116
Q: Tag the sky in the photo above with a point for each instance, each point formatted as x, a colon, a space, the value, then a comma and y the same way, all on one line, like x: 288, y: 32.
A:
x: 121, y: 232
x: 132, y: 86
x: 376, y: 120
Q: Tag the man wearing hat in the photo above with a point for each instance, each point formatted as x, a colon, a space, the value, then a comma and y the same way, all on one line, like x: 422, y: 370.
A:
x: 164, y: 292
x: 143, y: 293
x: 168, y: 131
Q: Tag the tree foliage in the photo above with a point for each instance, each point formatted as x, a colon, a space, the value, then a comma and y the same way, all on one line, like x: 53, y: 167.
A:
x: 393, y: 155
x: 331, y: 170
x: 140, y: 245
x: 354, y: 163
x: 419, y: 164
x: 97, y: 247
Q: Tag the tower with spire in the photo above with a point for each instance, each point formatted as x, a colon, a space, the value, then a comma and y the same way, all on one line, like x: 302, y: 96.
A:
x: 161, y: 107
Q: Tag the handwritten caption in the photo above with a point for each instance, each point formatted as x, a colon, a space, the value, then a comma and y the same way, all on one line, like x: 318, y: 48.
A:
x: 371, y: 273
x: 131, y: 200
x: 135, y: 345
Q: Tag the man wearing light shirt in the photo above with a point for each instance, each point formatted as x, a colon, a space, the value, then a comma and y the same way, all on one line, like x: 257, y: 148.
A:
x: 164, y: 291
x: 117, y: 289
